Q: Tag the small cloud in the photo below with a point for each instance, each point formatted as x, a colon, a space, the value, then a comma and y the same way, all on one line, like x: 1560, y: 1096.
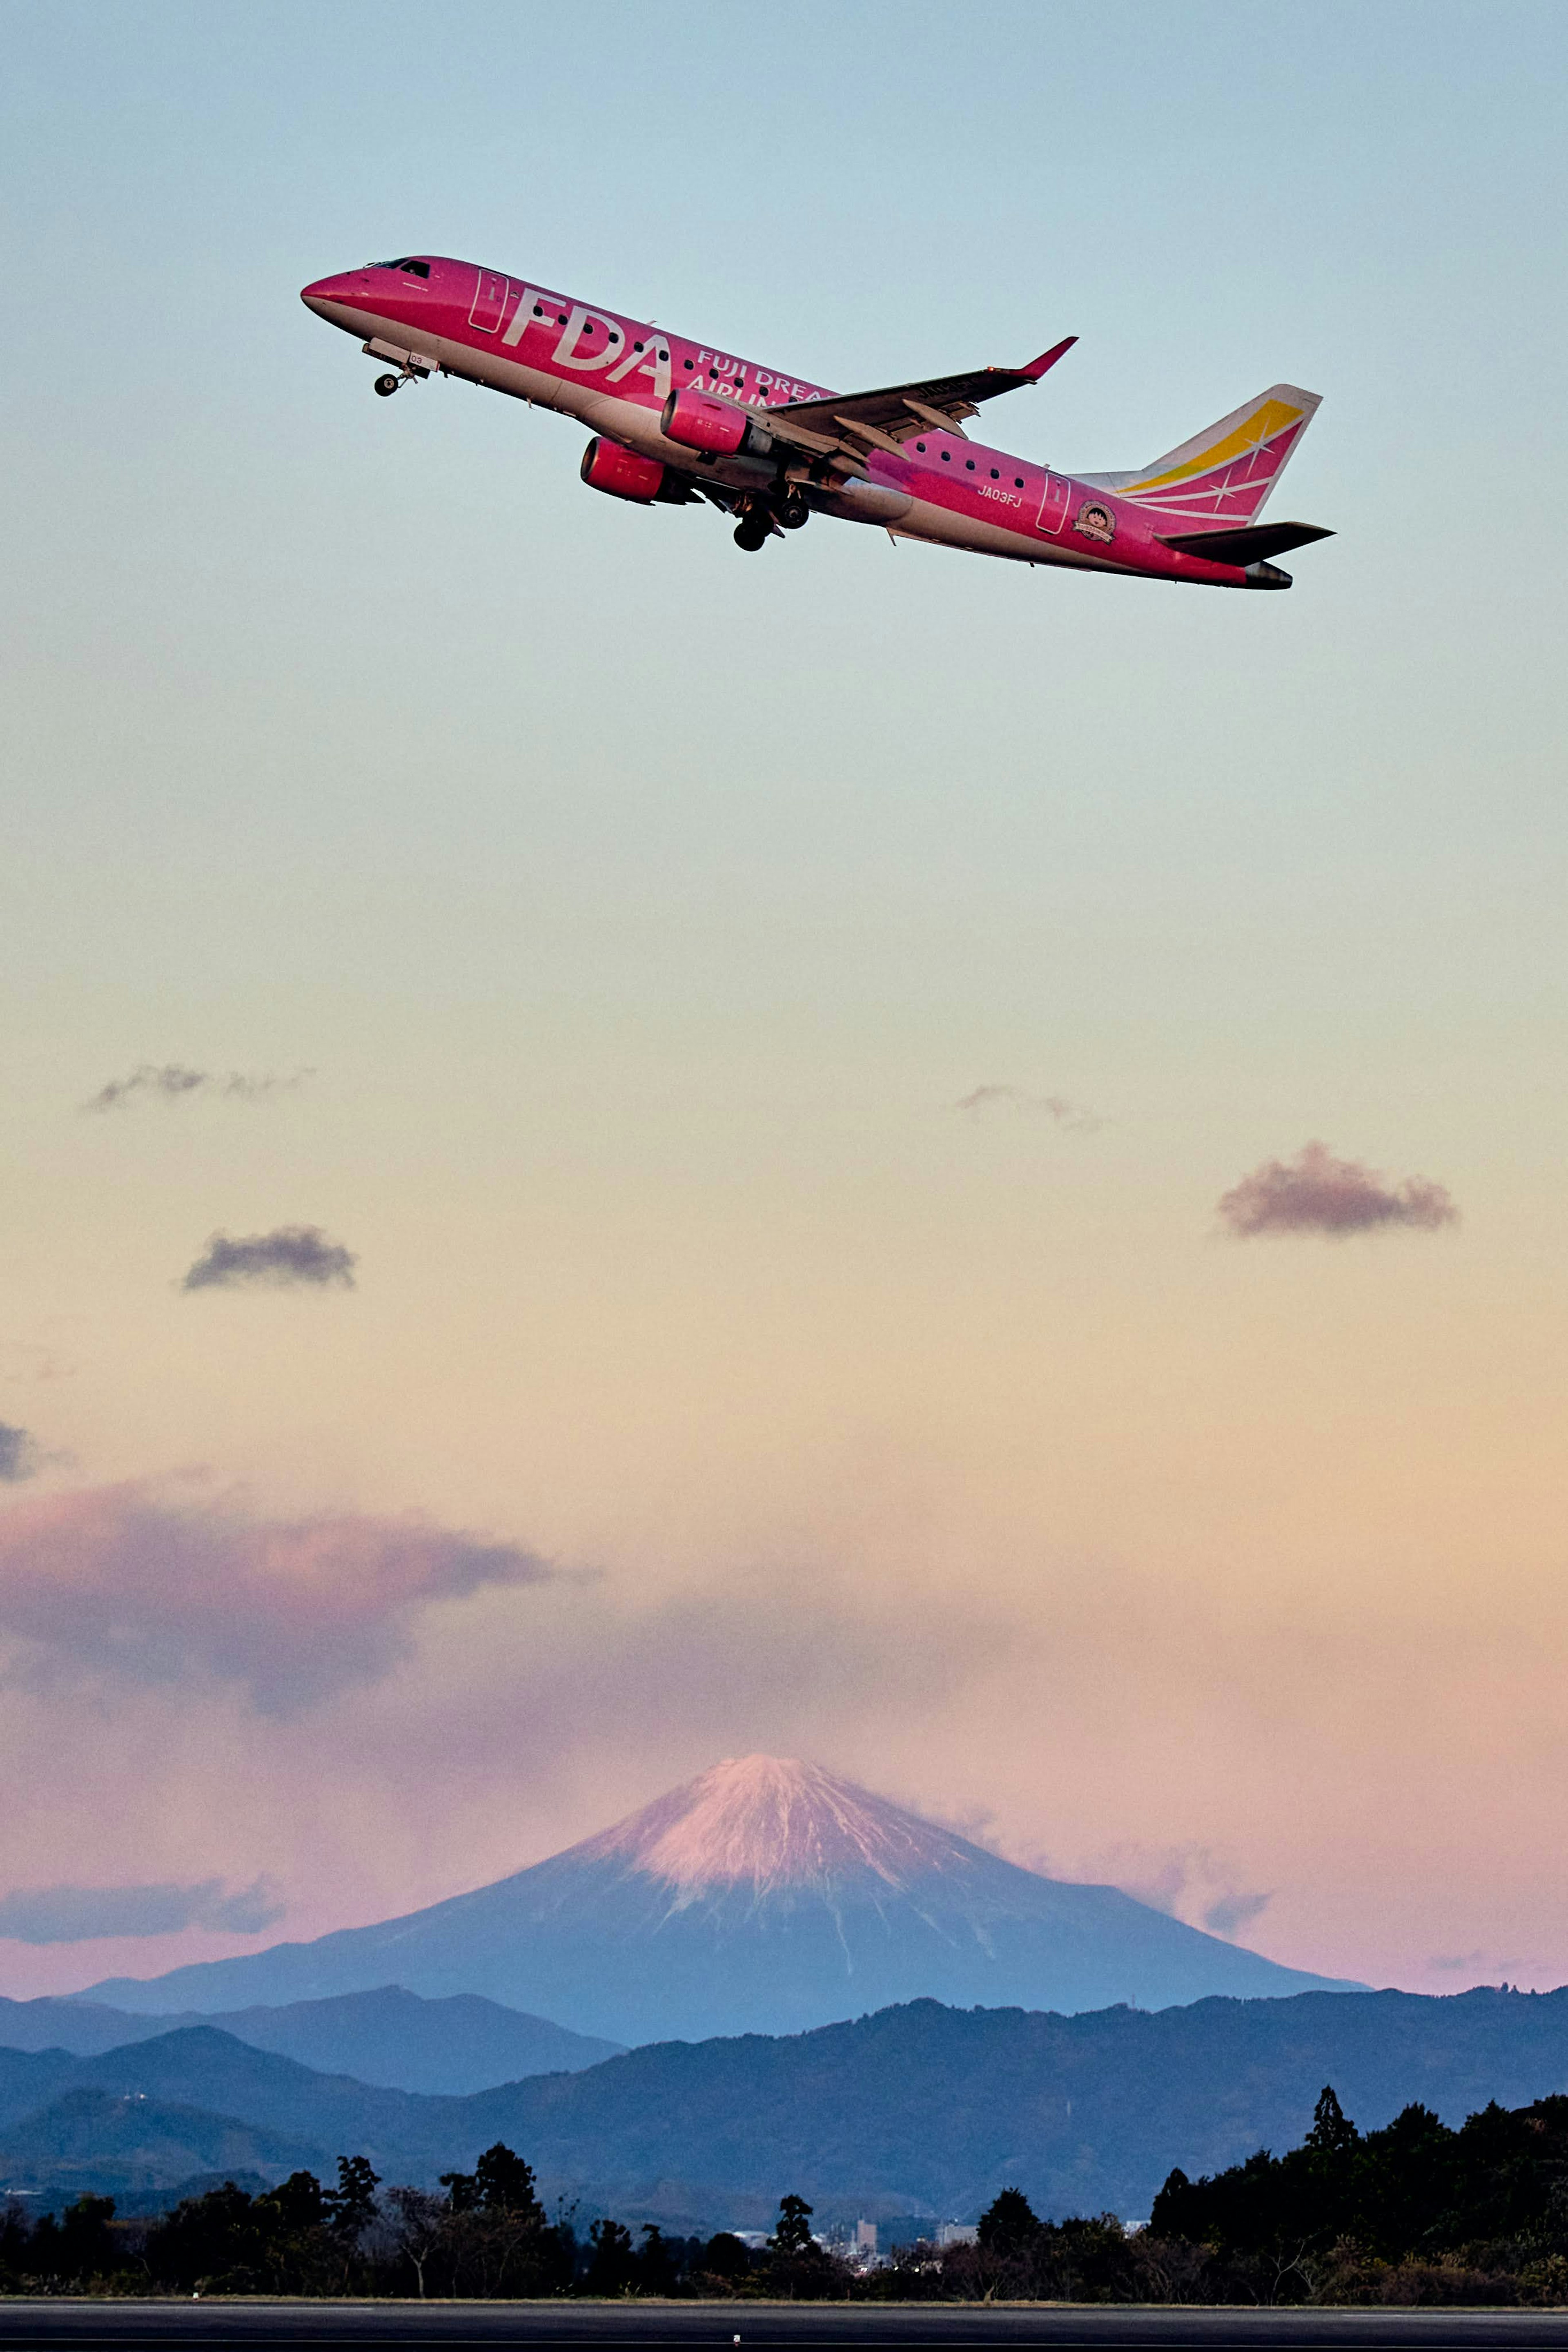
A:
x: 1193, y: 1882
x: 1231, y: 1913
x: 118, y: 1584
x: 172, y: 1082
x: 1059, y: 1108
x: 983, y: 1097
x: 18, y: 1456
x: 289, y: 1257
x: 76, y: 1914
x: 1467, y: 1963
x: 1316, y: 1193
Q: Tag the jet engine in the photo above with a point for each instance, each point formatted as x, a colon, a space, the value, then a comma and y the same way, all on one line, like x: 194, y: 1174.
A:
x: 610, y: 466
x: 717, y: 427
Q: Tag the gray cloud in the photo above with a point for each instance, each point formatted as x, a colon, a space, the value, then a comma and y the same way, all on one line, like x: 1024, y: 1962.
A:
x: 1316, y: 1193
x: 1189, y: 1882
x: 289, y: 1257
x: 172, y: 1082
x: 1059, y: 1108
x: 117, y: 1582
x: 18, y: 1456
x: 75, y: 1915
x: 1231, y: 1913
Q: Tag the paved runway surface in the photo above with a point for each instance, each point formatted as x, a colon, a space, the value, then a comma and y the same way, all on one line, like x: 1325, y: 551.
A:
x: 1092, y: 2329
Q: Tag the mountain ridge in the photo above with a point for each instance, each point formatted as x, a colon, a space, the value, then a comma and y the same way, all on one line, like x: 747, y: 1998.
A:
x: 915, y: 2108
x: 767, y: 1895
x: 387, y: 2036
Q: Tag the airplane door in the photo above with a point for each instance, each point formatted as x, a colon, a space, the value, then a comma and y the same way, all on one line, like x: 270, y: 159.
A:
x: 1054, y: 505
x: 489, y: 301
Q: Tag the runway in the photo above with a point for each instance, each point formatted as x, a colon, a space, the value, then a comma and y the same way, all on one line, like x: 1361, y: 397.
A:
x: 1066, y: 2327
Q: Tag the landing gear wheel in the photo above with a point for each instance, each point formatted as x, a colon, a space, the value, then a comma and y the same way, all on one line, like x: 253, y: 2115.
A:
x: 753, y: 534
x: 792, y: 512
x: 387, y: 384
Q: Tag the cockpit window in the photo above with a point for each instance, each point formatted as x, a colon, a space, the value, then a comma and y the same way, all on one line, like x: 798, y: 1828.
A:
x: 414, y: 268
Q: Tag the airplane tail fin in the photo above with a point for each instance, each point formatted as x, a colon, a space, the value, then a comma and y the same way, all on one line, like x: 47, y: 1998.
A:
x: 1224, y: 475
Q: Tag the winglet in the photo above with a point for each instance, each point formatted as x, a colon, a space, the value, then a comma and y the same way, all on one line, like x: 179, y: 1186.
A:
x: 1036, y: 368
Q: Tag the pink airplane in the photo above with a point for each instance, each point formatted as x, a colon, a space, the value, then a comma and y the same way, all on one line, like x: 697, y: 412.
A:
x: 676, y: 421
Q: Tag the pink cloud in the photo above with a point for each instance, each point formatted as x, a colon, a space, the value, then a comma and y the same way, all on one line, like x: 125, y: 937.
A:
x: 118, y: 1582
x: 1316, y: 1193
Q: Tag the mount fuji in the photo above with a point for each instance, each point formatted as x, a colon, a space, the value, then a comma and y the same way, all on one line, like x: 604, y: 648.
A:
x: 765, y: 1896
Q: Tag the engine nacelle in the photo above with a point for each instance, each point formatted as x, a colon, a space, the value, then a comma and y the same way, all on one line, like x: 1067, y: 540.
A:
x: 610, y: 466
x: 717, y: 427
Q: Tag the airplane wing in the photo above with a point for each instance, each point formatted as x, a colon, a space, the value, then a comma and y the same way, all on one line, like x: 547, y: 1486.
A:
x: 884, y: 419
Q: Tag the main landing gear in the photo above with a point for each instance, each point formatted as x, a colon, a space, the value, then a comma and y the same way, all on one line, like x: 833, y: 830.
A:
x: 387, y: 384
x: 760, y: 518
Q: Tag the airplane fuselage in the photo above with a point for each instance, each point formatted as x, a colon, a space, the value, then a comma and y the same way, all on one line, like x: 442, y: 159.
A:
x: 614, y: 374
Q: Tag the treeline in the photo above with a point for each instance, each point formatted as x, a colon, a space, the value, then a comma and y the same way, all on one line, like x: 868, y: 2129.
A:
x: 486, y: 2235
x: 1414, y: 2213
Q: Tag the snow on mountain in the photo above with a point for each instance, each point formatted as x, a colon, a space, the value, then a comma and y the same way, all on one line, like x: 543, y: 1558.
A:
x: 774, y: 1823
x: 768, y: 1897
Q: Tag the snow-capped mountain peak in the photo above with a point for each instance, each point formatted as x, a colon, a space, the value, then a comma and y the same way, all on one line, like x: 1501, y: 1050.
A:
x: 773, y: 1821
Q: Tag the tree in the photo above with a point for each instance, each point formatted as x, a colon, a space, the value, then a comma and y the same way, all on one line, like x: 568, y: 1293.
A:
x: 78, y: 2246
x: 1010, y: 2225
x: 300, y: 2202
x: 350, y: 2208
x: 1332, y: 2133
x: 792, y: 2234
x: 462, y: 2192
x: 726, y: 2257
x: 209, y: 2240
x: 504, y: 2184
x: 658, y: 2262
x: 418, y: 2221
x: 612, y: 2266
x: 14, y: 2233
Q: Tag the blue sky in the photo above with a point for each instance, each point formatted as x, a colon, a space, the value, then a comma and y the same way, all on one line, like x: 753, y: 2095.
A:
x: 640, y: 911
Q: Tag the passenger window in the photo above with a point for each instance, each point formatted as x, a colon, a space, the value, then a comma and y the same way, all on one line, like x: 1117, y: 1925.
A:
x: 1018, y: 481
x: 946, y: 456
x: 921, y: 446
x: 971, y: 464
x: 995, y: 475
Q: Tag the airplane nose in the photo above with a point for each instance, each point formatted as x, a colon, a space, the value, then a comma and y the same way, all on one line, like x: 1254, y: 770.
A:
x: 323, y: 291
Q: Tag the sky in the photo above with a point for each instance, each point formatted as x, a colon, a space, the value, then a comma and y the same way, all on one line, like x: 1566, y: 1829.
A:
x: 620, y: 1153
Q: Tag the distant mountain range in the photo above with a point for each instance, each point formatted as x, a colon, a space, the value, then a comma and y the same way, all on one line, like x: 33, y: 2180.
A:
x: 386, y: 2036
x: 97, y: 2143
x: 764, y: 1897
x: 919, y: 2108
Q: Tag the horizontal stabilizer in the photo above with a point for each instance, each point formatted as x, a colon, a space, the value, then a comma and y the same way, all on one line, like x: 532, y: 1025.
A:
x: 1255, y: 544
